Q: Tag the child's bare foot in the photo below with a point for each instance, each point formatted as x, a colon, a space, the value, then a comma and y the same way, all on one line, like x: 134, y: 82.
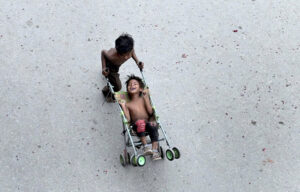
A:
x: 156, y: 156
x: 147, y: 151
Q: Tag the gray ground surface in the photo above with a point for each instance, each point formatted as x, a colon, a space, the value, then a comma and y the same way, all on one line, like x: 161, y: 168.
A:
x: 229, y: 100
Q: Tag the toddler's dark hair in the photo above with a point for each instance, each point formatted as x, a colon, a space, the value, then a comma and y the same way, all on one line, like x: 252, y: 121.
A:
x: 124, y: 43
x: 131, y: 77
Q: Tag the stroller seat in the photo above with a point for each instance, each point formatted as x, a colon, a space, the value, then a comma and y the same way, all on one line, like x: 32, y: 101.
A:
x: 122, y: 96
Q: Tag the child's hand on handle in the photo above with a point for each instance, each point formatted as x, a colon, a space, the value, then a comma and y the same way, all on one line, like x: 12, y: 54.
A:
x: 105, y: 72
x: 141, y: 65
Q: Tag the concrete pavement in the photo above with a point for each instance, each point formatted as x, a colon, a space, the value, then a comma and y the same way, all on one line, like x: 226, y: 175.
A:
x: 224, y: 76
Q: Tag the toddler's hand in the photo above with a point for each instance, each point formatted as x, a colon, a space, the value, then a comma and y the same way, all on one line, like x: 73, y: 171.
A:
x: 146, y: 92
x: 122, y: 103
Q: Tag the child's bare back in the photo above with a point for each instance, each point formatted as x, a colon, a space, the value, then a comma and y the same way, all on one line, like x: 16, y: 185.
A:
x: 116, y: 59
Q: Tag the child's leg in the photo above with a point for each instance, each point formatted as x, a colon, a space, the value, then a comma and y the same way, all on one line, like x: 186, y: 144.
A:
x: 114, y: 79
x: 155, y: 145
x: 105, y: 91
x: 153, y: 133
x: 142, y: 135
x: 147, y: 150
x: 143, y: 140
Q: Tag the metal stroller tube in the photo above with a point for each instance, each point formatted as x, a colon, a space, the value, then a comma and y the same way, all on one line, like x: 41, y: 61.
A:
x: 155, y: 111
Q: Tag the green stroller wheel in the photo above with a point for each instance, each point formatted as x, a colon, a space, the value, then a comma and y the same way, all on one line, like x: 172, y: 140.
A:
x: 133, y: 160
x: 122, y: 160
x: 176, y: 152
x: 141, y: 160
x: 170, y: 154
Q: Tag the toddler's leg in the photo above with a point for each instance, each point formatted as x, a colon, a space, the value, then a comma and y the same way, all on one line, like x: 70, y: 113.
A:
x: 147, y: 150
x: 153, y: 133
x: 143, y: 140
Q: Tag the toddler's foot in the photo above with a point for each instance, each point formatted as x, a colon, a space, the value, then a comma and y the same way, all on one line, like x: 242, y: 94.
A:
x: 147, y: 151
x: 156, y: 156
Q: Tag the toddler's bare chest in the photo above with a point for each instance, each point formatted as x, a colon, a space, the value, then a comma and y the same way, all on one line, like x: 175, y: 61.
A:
x: 137, y: 107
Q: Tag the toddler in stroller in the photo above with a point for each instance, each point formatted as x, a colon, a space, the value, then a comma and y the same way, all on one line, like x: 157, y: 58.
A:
x: 139, y: 118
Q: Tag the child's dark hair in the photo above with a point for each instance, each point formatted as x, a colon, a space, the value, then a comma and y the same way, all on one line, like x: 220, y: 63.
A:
x: 124, y: 43
x: 131, y: 77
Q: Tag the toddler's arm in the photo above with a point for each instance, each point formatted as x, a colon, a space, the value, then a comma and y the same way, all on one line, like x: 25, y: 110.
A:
x: 103, y: 60
x: 126, y: 111
x: 147, y: 101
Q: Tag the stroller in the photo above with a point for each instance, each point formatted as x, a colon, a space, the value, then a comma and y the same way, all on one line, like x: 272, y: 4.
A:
x: 132, y: 141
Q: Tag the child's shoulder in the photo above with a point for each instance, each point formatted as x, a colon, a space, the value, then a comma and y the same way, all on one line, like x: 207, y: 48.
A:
x: 110, y: 52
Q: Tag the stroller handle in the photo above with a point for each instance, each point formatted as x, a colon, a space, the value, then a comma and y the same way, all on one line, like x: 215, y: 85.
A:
x: 140, y: 64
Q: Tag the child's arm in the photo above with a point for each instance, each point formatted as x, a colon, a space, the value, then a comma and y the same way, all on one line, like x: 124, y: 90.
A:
x: 147, y: 101
x: 134, y: 57
x: 103, y: 60
x: 126, y: 110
